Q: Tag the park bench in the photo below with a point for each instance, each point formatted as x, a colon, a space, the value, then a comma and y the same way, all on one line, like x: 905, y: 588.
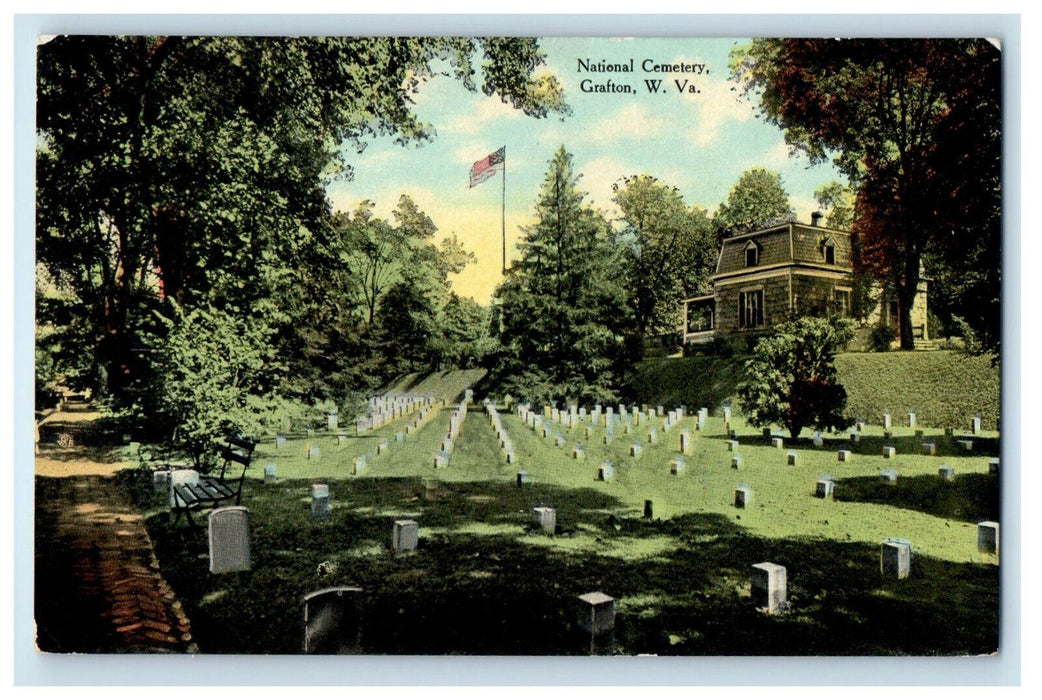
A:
x: 205, y: 491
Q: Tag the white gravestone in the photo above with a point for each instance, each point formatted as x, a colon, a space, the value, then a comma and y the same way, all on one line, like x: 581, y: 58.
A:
x: 545, y: 518
x: 636, y: 450
x: 988, y: 537
x: 229, y: 531
x: 889, y: 476
x: 677, y: 466
x: 332, y: 621
x: 946, y: 473
x: 319, y: 501
x: 790, y: 459
x: 825, y: 488
x: 270, y: 473
x: 358, y: 467
x: 895, y: 559
x: 887, y: 421
x: 405, y: 535
x: 313, y: 452
x: 844, y: 455
x: 605, y: 472
x: 685, y: 441
x: 889, y: 451
x: 743, y: 496
x: 736, y: 461
x: 331, y: 421
x: 929, y: 448
x: 777, y: 442
x: 596, y: 612
x: 769, y: 586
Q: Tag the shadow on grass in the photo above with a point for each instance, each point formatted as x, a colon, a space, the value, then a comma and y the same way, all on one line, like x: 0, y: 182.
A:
x: 482, y: 583
x: 970, y: 497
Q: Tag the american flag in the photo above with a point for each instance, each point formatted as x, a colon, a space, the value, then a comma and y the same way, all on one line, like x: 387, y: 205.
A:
x: 488, y: 166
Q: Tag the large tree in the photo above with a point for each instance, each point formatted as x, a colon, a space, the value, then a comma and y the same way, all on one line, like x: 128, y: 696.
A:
x: 915, y: 125
x: 561, y: 307
x: 756, y: 200
x: 668, y: 251
x: 194, y: 167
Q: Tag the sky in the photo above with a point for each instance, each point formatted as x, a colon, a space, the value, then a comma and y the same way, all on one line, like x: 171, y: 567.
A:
x: 698, y: 141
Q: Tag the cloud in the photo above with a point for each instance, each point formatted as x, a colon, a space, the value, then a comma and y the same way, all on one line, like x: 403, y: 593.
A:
x: 486, y: 110
x: 718, y: 102
x: 632, y: 122
x: 599, y: 175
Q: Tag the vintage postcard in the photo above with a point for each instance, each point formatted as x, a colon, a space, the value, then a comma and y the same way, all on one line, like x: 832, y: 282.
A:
x: 518, y: 346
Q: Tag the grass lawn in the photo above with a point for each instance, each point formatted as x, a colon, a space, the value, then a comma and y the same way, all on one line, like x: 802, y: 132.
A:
x: 483, y: 582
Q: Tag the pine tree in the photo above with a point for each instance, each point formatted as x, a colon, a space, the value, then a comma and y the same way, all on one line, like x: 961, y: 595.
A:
x: 559, y: 304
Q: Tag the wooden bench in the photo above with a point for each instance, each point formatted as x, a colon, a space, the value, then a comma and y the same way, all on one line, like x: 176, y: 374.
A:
x: 211, y: 491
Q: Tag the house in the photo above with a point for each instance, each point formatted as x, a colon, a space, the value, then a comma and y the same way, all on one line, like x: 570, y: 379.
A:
x: 783, y: 272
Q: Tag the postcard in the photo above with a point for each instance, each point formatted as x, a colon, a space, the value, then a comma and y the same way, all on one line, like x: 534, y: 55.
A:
x: 518, y: 346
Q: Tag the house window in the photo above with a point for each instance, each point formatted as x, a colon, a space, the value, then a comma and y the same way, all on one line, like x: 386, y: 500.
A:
x: 842, y: 303
x: 752, y: 254
x: 750, y: 309
x: 828, y: 251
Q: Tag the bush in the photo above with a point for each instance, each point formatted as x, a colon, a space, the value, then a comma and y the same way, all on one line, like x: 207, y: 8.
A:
x: 791, y: 378
x: 882, y: 338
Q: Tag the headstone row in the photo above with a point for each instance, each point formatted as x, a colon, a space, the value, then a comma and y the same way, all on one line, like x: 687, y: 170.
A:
x: 505, y: 445
x: 442, y: 456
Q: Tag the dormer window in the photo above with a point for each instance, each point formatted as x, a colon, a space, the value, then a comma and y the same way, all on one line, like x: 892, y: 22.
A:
x: 828, y: 251
x: 752, y: 254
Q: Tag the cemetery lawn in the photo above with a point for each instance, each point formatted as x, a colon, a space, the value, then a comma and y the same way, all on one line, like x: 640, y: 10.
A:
x: 484, y: 582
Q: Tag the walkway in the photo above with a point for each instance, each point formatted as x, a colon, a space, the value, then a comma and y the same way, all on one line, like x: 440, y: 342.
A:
x: 97, y: 582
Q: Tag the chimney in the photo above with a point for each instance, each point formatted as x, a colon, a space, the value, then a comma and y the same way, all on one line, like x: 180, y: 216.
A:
x: 815, y: 218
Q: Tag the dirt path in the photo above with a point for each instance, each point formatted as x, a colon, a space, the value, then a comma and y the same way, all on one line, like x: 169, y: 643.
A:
x: 97, y: 582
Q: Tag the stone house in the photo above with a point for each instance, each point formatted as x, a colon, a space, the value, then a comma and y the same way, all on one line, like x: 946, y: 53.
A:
x: 783, y: 272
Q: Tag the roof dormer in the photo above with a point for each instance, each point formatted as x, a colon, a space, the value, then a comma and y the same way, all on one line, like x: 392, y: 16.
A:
x: 828, y: 251
x: 752, y: 254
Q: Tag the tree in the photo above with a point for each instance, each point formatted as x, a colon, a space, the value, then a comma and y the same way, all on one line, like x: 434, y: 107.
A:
x: 216, y: 376
x: 193, y: 168
x: 790, y: 379
x: 758, y: 199
x: 667, y: 249
x: 837, y: 200
x: 559, y: 302
x: 915, y: 125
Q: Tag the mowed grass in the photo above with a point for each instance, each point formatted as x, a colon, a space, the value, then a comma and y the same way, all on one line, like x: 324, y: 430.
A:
x: 944, y: 387
x: 484, y: 582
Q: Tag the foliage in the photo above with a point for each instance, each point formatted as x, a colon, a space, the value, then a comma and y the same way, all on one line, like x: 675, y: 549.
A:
x: 756, y: 200
x: 791, y: 378
x: 915, y: 125
x: 194, y: 168
x: 668, y: 252
x: 882, y: 337
x: 561, y: 309
x: 837, y: 201
x: 969, y: 338
x: 216, y: 377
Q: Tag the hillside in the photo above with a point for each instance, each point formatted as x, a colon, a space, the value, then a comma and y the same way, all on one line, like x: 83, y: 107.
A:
x: 945, y: 388
x: 448, y: 385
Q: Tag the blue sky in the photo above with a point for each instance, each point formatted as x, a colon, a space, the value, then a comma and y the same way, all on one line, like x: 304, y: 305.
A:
x: 698, y: 142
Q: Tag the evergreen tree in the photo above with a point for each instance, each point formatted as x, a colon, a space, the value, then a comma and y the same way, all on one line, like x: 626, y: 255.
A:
x: 561, y: 307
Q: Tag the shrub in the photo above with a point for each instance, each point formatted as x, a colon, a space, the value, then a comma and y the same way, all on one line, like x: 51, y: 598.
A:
x: 882, y: 338
x: 791, y: 378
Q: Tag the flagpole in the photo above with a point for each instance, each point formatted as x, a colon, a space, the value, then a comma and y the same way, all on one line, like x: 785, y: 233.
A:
x: 504, y: 211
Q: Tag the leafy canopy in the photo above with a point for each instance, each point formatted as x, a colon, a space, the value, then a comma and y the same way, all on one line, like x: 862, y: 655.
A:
x: 790, y: 380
